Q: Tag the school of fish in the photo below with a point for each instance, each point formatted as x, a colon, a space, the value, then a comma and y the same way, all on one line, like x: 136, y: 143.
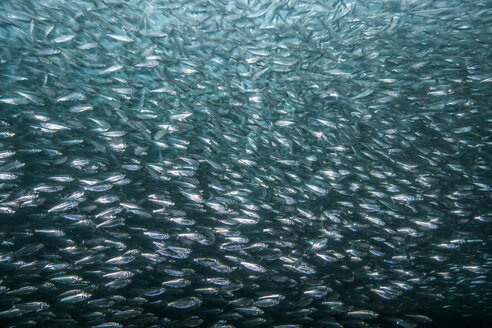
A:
x: 245, y: 163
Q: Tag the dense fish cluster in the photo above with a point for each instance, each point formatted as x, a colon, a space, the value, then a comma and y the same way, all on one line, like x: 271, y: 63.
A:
x: 245, y: 163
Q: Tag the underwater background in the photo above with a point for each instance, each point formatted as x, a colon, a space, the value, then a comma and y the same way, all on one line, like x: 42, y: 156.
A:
x: 245, y: 163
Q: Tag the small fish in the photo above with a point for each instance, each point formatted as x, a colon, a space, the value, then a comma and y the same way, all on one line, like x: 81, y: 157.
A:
x: 120, y: 37
x: 110, y: 69
x: 77, y: 298
x: 185, y: 303
x: 64, y: 38
x: 65, y: 206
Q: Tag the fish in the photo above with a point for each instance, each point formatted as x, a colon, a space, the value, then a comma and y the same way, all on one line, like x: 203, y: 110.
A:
x: 245, y: 163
